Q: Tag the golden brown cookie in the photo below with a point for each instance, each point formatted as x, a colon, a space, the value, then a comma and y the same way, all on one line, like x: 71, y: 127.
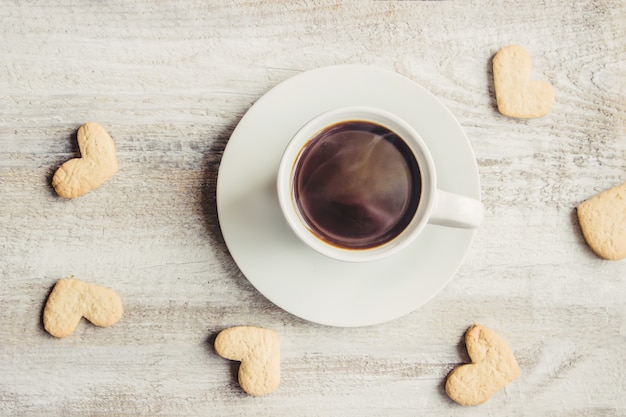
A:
x: 602, y: 220
x: 71, y: 299
x: 516, y: 94
x: 493, y: 367
x: 258, y: 350
x: 96, y: 165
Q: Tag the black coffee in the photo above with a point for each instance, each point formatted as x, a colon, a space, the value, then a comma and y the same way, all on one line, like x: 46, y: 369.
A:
x: 357, y: 185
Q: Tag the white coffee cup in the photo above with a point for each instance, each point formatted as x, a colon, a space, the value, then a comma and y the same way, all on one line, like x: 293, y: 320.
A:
x: 359, y: 184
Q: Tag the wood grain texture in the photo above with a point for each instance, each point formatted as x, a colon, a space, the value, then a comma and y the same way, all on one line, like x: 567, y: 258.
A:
x: 171, y: 80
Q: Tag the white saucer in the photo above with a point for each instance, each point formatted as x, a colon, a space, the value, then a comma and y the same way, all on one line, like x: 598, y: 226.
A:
x: 288, y: 272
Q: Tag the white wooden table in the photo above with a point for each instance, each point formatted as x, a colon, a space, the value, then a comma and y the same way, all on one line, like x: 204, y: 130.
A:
x: 171, y: 79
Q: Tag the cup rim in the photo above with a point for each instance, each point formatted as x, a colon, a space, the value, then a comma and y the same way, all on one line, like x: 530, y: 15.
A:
x: 298, y: 143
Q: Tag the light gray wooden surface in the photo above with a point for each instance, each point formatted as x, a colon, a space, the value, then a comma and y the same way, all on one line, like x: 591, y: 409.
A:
x: 171, y: 79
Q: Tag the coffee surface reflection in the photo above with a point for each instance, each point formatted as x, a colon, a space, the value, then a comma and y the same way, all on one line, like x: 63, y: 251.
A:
x: 357, y: 185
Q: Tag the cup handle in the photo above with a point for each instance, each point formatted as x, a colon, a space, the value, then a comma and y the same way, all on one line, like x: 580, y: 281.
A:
x: 455, y: 210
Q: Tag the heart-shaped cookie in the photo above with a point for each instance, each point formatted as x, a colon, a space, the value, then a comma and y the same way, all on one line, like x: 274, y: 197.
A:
x: 602, y: 220
x: 258, y: 350
x: 516, y: 94
x: 72, y: 299
x: 493, y: 367
x: 97, y: 163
